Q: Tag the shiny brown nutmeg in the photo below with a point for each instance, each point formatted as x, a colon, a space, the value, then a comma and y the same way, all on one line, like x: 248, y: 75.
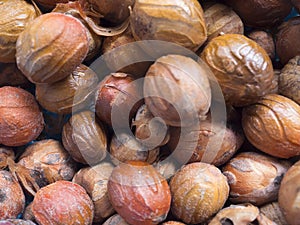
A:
x: 94, y: 180
x: 16, y: 14
x: 287, y: 41
x: 207, y: 142
x: 289, y: 195
x: 21, y: 120
x: 124, y: 147
x: 73, y: 93
x: 85, y: 138
x: 12, y: 199
x: 242, y: 67
x: 155, y: 20
x: 254, y: 178
x: 288, y: 80
x: 5, y: 153
x: 42, y: 163
x: 261, y: 13
x: 221, y: 19
x: 118, y: 98
x: 51, y: 47
x: 195, y: 184
x: 177, y: 89
x: 139, y: 193
x: 277, y: 134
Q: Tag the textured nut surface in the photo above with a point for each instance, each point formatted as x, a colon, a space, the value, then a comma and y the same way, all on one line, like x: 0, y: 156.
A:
x: 178, y: 21
x: 16, y: 14
x: 12, y: 199
x: 242, y: 67
x: 254, y: 177
x: 177, y: 90
x: 51, y: 47
x: 85, y: 138
x: 139, y: 193
x: 69, y: 95
x: 63, y: 202
x: 272, y: 125
x: 195, y: 195
x: 274, y: 212
x: 115, y: 220
x: 21, y: 120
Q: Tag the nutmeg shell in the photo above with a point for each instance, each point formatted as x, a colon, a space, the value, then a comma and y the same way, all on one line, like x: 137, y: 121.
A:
x: 254, y: 178
x: 94, y: 180
x: 139, y: 193
x: 10, y: 75
x: 272, y: 125
x: 289, y: 194
x: 51, y: 47
x: 261, y: 13
x: 242, y: 67
x: 16, y: 221
x: 50, y: 4
x: 16, y: 14
x: 85, y: 138
x: 177, y: 89
x: 73, y: 93
x: 68, y: 203
x: 287, y: 41
x: 12, y: 199
x: 179, y: 21
x: 21, y: 120
x: 115, y: 220
x: 195, y: 195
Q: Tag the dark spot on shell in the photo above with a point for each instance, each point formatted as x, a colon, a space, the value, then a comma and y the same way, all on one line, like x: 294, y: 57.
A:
x: 226, y: 221
x: 278, y: 180
x: 2, y: 196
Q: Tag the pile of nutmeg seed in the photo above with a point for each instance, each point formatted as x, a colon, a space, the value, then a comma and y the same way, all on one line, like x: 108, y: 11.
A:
x: 92, y: 132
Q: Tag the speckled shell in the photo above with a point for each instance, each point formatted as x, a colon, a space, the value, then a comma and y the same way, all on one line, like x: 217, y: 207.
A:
x: 94, y: 180
x: 220, y: 18
x: 63, y: 202
x: 272, y: 125
x: 177, y: 89
x: 195, y: 195
x: 51, y: 47
x: 16, y: 221
x: 15, y: 15
x: 289, y: 195
x: 12, y: 199
x: 287, y: 40
x: 289, y: 82
x: 139, y: 193
x: 178, y: 21
x: 115, y: 220
x: 242, y: 67
x: 85, y: 138
x: 254, y: 177
x: 21, y: 120
x: 261, y: 13
x: 69, y: 95
x: 50, y: 159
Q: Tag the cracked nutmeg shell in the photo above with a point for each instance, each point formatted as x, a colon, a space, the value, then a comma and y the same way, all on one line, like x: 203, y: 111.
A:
x: 242, y: 67
x: 15, y: 15
x: 12, y: 199
x: 63, y: 202
x: 21, y: 120
x: 94, y: 180
x: 287, y: 39
x: 139, y: 193
x: 84, y: 137
x: 254, y: 178
x: 195, y: 195
x: 261, y: 13
x: 51, y: 47
x: 178, y: 21
x: 177, y: 89
x: 289, y: 195
x: 71, y: 94
x: 272, y: 125
x: 288, y: 80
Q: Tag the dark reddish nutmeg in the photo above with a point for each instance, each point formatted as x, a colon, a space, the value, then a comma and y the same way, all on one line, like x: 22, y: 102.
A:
x: 68, y: 203
x: 139, y: 193
x: 12, y: 199
x: 10, y: 75
x: 21, y: 120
